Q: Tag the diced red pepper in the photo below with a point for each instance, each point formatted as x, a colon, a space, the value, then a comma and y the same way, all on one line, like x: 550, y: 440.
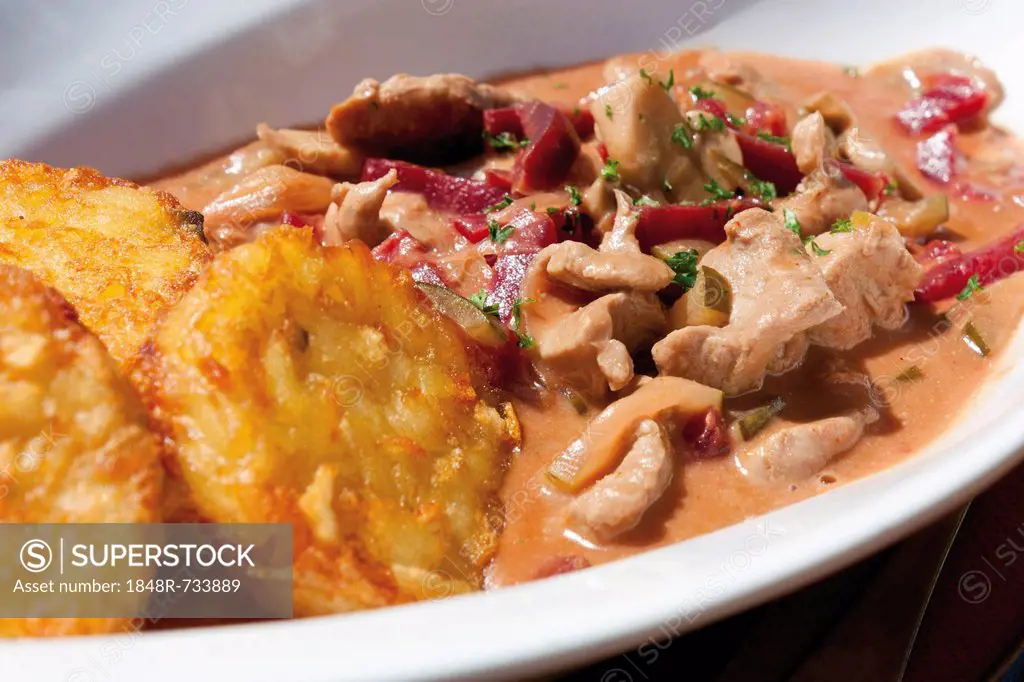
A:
x: 762, y: 116
x: 602, y: 151
x: 405, y: 251
x: 501, y: 179
x: 952, y: 99
x: 770, y: 161
x: 507, y: 120
x: 293, y: 219
x: 937, y: 156
x: 990, y: 263
x: 715, y: 107
x: 509, y: 273
x: 472, y: 227
x: 935, y: 252
x: 660, y: 224
x: 533, y: 231
x: 442, y: 191
x: 873, y: 184
x: 552, y: 151
x: 708, y: 435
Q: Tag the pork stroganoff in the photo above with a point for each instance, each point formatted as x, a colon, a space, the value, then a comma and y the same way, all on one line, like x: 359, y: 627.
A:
x: 465, y: 335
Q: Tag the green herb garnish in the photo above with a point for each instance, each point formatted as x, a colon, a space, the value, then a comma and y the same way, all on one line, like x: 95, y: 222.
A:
x: 818, y: 251
x: 717, y: 192
x: 525, y: 340
x: 504, y: 141
x: 574, y: 195
x: 973, y: 285
x: 681, y: 136
x: 792, y: 222
x: 912, y: 373
x: 762, y: 188
x: 1020, y: 247
x: 700, y: 93
x: 608, y: 111
x: 842, y: 225
x: 561, y: 86
x: 645, y: 201
x: 610, y: 172
x: 479, y: 299
x: 737, y: 121
x: 891, y: 188
x: 684, y: 264
x: 667, y: 85
x: 646, y: 76
x: 497, y: 233
x: 768, y: 137
x: 851, y: 71
x: 705, y: 123
x: 505, y: 202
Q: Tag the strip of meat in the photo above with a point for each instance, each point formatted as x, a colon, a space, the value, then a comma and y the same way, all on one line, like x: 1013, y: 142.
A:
x: 870, y: 272
x: 822, y: 198
x: 433, y: 119
x: 312, y: 151
x: 354, y: 212
x: 578, y: 265
x: 777, y: 294
x: 616, y: 503
x: 812, y: 142
x: 792, y: 453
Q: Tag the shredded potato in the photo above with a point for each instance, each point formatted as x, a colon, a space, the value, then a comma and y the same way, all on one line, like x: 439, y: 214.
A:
x: 315, y: 386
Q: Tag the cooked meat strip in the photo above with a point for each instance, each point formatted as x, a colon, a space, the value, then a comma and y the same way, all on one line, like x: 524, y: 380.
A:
x: 793, y: 452
x: 616, y: 503
x: 822, y: 198
x: 812, y: 142
x: 354, y: 212
x: 590, y: 348
x: 618, y: 264
x: 312, y: 151
x: 258, y: 200
x: 870, y: 272
x: 432, y: 119
x: 777, y: 294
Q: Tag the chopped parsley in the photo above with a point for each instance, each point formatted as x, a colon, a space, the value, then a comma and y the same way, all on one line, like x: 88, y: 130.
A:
x: 717, y: 192
x: 479, y: 299
x: 574, y: 195
x: 505, y: 202
x: 610, y: 172
x: 608, y: 111
x: 647, y: 77
x: 973, y: 285
x: 645, y: 201
x: 762, y: 188
x: 1020, y: 247
x: 497, y: 233
x: 891, y: 188
x: 525, y: 340
x: 561, y: 86
x: 684, y: 264
x: 712, y: 123
x: 792, y: 222
x: 504, y: 141
x: 576, y: 110
x: 700, y: 93
x: 851, y: 71
x: 818, y: 251
x: 681, y: 136
x: 667, y: 85
x: 768, y: 137
x: 842, y: 225
x: 912, y: 373
x: 552, y: 210
x: 737, y: 121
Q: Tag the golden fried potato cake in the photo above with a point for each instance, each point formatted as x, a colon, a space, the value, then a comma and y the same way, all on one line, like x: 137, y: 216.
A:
x: 119, y: 252
x: 316, y: 386
x: 74, y: 445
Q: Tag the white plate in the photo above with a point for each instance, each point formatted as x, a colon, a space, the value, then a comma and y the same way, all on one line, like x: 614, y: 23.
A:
x: 137, y: 85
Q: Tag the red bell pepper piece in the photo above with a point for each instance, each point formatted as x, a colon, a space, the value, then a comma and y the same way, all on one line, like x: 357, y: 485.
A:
x: 472, y: 227
x: 500, y: 179
x: 762, y: 116
x: 990, y: 263
x: 871, y: 183
x: 952, y: 99
x: 583, y: 121
x: 715, y: 107
x: 708, y: 434
x: 507, y: 120
x: 937, y: 156
x: 770, y: 161
x: 552, y: 151
x: 405, y: 251
x: 660, y: 224
x: 533, y: 231
x: 509, y: 273
x: 442, y: 191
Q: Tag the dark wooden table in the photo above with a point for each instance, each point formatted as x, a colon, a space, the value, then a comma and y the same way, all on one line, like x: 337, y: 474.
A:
x: 854, y: 626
